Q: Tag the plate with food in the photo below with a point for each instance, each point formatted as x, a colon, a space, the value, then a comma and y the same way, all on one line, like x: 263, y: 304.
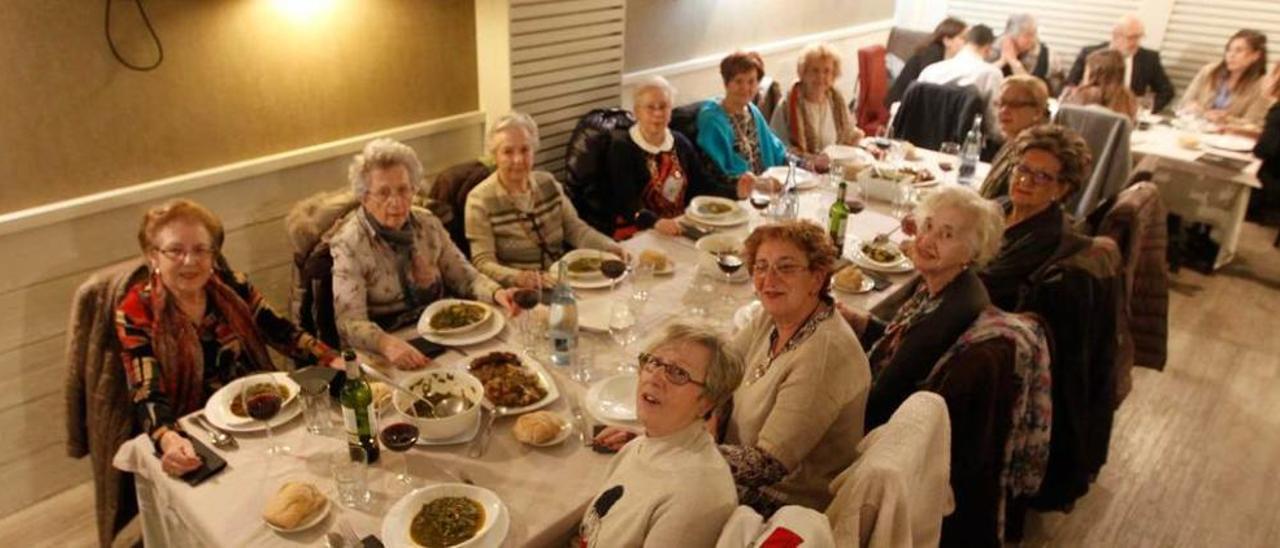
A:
x: 661, y: 263
x: 718, y: 244
x: 454, y: 316
x: 584, y: 268
x: 449, y: 389
x: 297, y: 506
x: 613, y: 399
x: 447, y: 514
x: 486, y: 330
x: 716, y: 211
x: 225, y: 408
x: 542, y: 429
x: 519, y: 385
x: 850, y: 280
x: 884, y: 257
x: 805, y: 179
x: 1233, y: 143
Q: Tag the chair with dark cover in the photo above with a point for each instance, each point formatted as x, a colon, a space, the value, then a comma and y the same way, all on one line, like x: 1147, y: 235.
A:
x: 903, y: 42
x: 1107, y: 134
x: 448, y: 198
x: 684, y: 119
x: 99, y: 414
x: 932, y: 114
x: 586, y: 169
x: 310, y: 224
x: 873, y: 86
x: 768, y: 95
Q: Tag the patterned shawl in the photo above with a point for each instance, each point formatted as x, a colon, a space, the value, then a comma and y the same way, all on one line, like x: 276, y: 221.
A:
x: 804, y: 135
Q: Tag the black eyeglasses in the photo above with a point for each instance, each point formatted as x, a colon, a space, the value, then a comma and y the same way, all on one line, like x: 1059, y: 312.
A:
x: 675, y: 374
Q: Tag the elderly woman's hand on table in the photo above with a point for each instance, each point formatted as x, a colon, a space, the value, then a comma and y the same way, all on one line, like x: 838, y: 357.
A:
x: 401, y: 354
x: 178, y: 456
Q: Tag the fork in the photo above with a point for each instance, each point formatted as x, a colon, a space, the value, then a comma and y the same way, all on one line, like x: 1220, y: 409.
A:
x: 349, y: 532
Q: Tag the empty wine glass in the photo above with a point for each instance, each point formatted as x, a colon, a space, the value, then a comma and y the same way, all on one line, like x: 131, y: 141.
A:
x: 950, y: 151
x: 622, y: 321
x: 904, y: 200
x: 261, y: 398
x: 400, y: 437
x: 642, y: 279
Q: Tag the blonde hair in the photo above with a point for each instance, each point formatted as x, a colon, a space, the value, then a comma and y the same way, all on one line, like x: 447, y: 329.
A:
x: 382, y: 153
x: 986, y: 226
x: 818, y: 52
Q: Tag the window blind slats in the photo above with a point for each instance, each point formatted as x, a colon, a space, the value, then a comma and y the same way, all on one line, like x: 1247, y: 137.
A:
x: 1064, y: 27
x: 1198, y: 31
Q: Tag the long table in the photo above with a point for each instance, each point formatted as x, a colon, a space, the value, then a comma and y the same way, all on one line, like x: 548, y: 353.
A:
x: 546, y: 490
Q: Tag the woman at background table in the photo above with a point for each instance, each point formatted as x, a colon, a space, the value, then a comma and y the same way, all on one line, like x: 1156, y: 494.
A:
x: 814, y: 115
x: 957, y: 232
x: 1267, y: 202
x: 1023, y: 102
x: 1231, y: 90
x: 1104, y: 85
x: 947, y: 39
x: 670, y: 486
x: 1052, y: 163
x: 193, y: 326
x: 732, y: 133
x: 519, y: 220
x: 797, y: 418
x: 655, y: 169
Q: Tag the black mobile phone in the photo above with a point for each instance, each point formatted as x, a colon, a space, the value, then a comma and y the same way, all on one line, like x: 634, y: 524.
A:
x: 210, y: 464
x: 428, y: 348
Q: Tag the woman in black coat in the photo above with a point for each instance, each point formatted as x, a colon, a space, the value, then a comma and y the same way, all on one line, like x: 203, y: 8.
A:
x: 947, y: 39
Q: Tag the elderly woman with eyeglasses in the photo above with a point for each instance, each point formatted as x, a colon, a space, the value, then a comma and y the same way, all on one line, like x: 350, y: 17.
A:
x: 193, y: 326
x: 797, y: 418
x: 814, y: 115
x: 1052, y: 163
x: 670, y: 486
x: 519, y: 220
x: 390, y: 260
x: 956, y: 232
x: 1023, y: 102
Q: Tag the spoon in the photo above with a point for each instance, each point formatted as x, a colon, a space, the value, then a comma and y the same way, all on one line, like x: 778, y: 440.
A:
x: 481, y: 444
x: 449, y: 406
x: 218, y: 437
x: 883, y: 238
x: 334, y: 540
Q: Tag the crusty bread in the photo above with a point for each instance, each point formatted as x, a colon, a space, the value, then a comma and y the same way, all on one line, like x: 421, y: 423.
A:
x: 657, y: 259
x: 293, y: 504
x: 538, y: 428
x: 849, y: 279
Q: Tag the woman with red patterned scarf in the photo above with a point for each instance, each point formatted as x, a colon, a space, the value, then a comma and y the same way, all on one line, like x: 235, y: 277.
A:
x: 814, y: 115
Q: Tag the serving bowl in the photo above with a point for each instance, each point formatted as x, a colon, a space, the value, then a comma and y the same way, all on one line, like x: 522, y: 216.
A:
x: 442, y: 381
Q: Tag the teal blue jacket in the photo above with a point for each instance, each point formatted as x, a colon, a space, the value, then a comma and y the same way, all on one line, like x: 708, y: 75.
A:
x: 715, y: 138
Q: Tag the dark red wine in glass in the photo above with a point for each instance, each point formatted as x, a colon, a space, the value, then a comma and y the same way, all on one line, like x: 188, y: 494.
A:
x: 526, y: 299
x: 264, y: 405
x: 759, y: 202
x: 945, y: 166
x: 613, y: 268
x: 855, y: 206
x: 399, y: 437
x: 729, y: 263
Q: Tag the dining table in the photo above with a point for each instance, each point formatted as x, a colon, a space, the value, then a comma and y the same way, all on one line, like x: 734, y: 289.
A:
x: 1176, y: 151
x: 544, y: 489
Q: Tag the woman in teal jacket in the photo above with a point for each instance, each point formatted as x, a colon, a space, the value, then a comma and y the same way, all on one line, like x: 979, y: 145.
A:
x: 732, y: 133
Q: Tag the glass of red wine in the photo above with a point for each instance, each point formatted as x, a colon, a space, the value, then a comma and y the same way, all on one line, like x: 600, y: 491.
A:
x: 763, y: 191
x: 527, y: 300
x: 855, y: 198
x: 730, y: 263
x: 400, y: 438
x: 262, y: 399
x: 613, y: 269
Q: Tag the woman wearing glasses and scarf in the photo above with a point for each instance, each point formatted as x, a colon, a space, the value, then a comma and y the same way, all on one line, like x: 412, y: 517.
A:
x: 193, y: 326
x: 670, y: 486
x: 519, y: 220
x: 391, y: 260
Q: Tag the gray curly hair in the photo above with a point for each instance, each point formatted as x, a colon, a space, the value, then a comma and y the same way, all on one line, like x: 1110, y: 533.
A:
x: 382, y: 153
x: 513, y: 119
x: 726, y: 369
x: 986, y: 220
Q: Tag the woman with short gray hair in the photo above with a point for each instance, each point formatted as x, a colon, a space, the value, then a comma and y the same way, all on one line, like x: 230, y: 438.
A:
x: 390, y: 259
x: 519, y: 220
x: 957, y: 232
x: 669, y: 486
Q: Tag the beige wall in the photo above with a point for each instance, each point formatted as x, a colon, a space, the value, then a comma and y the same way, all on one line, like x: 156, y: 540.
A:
x: 661, y: 32
x: 240, y: 79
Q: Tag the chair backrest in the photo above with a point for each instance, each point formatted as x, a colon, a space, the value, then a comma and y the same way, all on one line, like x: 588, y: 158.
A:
x: 1107, y: 134
x: 449, y: 197
x: 931, y: 114
x: 873, y: 86
x: 897, y: 491
x: 309, y: 224
x: 684, y: 119
x: 789, y: 527
x: 586, y: 170
x: 903, y: 42
x: 768, y: 95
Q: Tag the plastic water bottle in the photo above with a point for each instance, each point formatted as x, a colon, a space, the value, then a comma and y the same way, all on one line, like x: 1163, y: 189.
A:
x: 970, y: 152
x: 562, y: 325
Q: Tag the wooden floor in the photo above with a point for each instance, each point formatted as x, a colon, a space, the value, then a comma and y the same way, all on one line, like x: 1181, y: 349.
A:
x: 1195, y: 456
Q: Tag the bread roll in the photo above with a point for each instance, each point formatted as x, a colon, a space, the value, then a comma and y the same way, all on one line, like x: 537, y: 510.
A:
x: 849, y: 279
x: 293, y: 504
x: 538, y: 428
x: 654, y: 258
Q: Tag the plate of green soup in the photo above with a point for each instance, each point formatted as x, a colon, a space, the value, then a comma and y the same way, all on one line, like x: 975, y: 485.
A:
x: 446, y: 515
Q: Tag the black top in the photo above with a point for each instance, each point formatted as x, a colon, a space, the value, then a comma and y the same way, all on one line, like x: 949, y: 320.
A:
x: 923, y: 343
x: 931, y: 54
x: 1268, y: 150
x: 1024, y: 248
x: 1148, y: 74
x: 629, y: 174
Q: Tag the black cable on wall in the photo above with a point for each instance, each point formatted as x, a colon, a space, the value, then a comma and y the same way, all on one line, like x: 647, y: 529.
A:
x: 150, y: 29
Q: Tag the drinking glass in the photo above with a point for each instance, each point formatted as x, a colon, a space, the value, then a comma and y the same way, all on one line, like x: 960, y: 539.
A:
x: 582, y: 360
x: 642, y: 280
x: 350, y: 469
x: 622, y: 322
x: 613, y: 269
x: 262, y: 399
x: 1146, y: 104
x: 527, y: 300
x: 763, y: 192
x: 400, y: 437
x: 729, y: 263
x: 951, y: 156
x: 317, y: 406
x: 904, y: 199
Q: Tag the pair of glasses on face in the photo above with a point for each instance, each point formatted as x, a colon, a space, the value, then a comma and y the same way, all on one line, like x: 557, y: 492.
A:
x: 387, y: 194
x: 1028, y: 173
x: 1014, y: 104
x: 675, y: 374
x: 178, y: 254
x: 784, y: 268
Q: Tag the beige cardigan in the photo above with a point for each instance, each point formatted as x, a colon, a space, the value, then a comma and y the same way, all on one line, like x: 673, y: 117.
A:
x: 1249, y: 104
x: 807, y: 410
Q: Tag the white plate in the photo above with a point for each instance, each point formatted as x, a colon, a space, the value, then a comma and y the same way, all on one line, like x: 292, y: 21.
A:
x: 309, y: 523
x: 695, y: 208
x: 395, y: 526
x: 218, y: 408
x: 1234, y: 143
x: 739, y: 215
x: 598, y: 281
x: 481, y: 333
x: 867, y: 285
x: 592, y: 276
x: 804, y: 179
x: 613, y: 398
x: 566, y: 428
x: 903, y: 264
x: 424, y: 322
x: 593, y: 314
x: 745, y: 314
x: 671, y: 265
x: 531, y: 366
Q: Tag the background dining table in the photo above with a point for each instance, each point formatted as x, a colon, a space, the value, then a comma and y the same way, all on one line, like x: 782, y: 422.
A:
x: 545, y: 489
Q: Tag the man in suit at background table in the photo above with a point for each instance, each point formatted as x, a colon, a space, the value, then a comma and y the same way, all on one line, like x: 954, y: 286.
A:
x: 1143, y: 70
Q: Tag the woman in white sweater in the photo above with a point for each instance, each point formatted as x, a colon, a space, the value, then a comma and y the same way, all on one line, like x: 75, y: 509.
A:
x: 670, y: 486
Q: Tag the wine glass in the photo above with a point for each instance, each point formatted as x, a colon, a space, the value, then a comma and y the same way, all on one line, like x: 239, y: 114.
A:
x: 527, y: 300
x: 262, y: 399
x: 642, y: 278
x: 763, y: 192
x: 904, y: 199
x: 951, y: 152
x: 612, y: 269
x: 400, y: 437
x: 622, y: 321
x: 730, y: 263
